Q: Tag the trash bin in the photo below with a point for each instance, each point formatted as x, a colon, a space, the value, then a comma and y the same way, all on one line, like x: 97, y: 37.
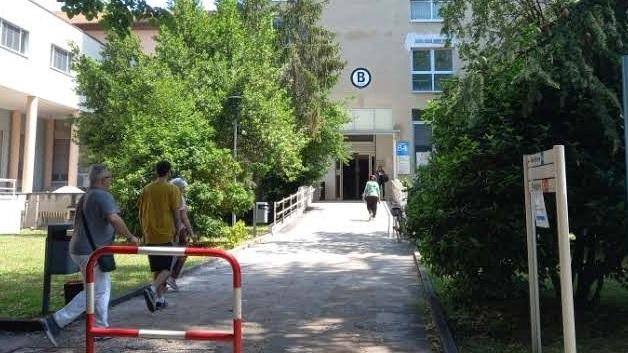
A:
x: 261, y: 216
x: 57, y: 260
x: 71, y: 289
x: 58, y: 250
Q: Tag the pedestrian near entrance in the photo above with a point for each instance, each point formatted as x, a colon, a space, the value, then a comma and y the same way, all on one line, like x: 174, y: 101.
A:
x: 382, y: 179
x: 371, y: 196
x: 184, y: 232
x: 96, y: 218
x: 158, y: 205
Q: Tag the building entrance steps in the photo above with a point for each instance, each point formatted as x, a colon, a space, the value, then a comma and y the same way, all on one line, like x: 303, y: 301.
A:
x: 332, y: 283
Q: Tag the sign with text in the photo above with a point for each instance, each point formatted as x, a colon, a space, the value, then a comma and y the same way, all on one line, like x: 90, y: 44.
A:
x: 403, y: 157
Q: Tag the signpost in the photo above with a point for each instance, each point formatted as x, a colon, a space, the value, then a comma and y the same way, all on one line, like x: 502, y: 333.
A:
x: 544, y: 172
x: 624, y: 61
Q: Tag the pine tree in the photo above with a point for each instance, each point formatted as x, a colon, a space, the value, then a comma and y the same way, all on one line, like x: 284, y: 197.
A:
x: 311, y: 64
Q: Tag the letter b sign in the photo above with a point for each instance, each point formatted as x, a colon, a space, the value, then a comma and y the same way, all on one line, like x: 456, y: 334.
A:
x: 360, y: 77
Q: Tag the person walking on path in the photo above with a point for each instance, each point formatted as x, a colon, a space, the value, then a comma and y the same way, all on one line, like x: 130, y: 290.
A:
x: 382, y: 179
x: 371, y: 196
x: 184, y: 232
x: 96, y: 218
x: 158, y: 205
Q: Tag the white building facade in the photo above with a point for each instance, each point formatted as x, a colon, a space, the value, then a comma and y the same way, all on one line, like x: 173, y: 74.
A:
x: 37, y: 96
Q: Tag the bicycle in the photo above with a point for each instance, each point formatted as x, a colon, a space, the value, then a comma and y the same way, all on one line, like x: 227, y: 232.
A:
x: 399, y: 223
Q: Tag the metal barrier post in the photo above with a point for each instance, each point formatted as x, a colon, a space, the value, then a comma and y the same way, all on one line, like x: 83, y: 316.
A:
x: 91, y: 331
x: 274, y: 213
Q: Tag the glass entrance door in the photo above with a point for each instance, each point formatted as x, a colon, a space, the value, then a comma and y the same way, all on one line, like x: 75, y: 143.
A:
x: 355, y: 175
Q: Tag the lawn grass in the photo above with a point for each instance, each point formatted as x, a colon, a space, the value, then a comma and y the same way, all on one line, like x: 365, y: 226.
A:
x: 22, y: 274
x: 504, y: 327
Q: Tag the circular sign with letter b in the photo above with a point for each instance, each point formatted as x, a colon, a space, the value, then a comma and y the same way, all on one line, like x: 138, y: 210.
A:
x: 360, y: 77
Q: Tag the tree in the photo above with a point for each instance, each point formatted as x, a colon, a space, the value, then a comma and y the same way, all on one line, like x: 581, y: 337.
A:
x: 116, y: 15
x: 239, y: 33
x: 175, y: 105
x: 535, y: 76
x: 312, y: 63
x: 138, y: 113
x: 229, y: 64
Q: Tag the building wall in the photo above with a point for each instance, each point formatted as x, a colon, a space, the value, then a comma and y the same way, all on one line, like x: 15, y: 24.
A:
x: 145, y: 36
x: 31, y: 73
x: 379, y: 35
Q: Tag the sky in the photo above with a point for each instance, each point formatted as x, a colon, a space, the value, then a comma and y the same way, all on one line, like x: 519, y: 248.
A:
x: 53, y: 5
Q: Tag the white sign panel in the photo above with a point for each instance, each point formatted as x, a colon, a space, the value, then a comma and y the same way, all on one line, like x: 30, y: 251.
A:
x: 403, y: 165
x: 422, y: 158
x: 540, y: 213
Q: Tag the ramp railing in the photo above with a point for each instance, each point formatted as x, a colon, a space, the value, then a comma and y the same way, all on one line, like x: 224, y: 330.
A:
x: 291, y: 206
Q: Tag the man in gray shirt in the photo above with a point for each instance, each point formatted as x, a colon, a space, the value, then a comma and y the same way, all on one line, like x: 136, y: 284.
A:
x: 101, y: 215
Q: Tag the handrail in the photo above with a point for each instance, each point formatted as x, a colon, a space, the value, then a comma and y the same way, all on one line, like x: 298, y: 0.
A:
x: 291, y: 205
x: 390, y: 216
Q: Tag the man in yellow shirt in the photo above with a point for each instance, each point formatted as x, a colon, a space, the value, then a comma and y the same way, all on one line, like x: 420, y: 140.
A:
x: 158, y: 206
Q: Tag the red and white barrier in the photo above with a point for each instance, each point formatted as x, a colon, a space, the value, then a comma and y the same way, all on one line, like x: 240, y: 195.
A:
x: 92, y: 331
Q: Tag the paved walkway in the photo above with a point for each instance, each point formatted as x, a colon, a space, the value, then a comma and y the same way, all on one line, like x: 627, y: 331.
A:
x: 332, y: 283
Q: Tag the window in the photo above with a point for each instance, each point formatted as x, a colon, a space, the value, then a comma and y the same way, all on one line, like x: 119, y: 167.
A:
x: 429, y: 68
x: 60, y: 59
x: 60, y: 158
x: 61, y: 151
x: 13, y: 37
x: 425, y: 10
x: 422, y: 139
x: 417, y: 115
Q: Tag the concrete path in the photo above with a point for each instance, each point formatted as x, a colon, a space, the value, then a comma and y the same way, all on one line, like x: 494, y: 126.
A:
x: 332, y: 283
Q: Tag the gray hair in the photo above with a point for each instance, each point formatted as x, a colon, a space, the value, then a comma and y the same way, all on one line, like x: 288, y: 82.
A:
x: 179, y: 182
x: 97, y: 172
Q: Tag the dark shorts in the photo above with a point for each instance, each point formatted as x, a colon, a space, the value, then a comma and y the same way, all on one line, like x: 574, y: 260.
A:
x: 160, y: 263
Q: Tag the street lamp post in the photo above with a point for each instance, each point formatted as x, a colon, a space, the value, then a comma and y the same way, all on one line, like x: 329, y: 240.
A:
x: 235, y: 148
x: 235, y: 156
x: 624, y: 60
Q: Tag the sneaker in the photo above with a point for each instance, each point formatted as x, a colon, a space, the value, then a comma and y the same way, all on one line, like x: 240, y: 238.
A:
x: 51, y: 329
x: 172, y: 283
x: 161, y: 305
x: 149, y: 297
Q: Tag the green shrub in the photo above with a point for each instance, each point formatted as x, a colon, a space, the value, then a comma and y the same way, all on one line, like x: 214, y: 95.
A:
x: 236, y: 234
